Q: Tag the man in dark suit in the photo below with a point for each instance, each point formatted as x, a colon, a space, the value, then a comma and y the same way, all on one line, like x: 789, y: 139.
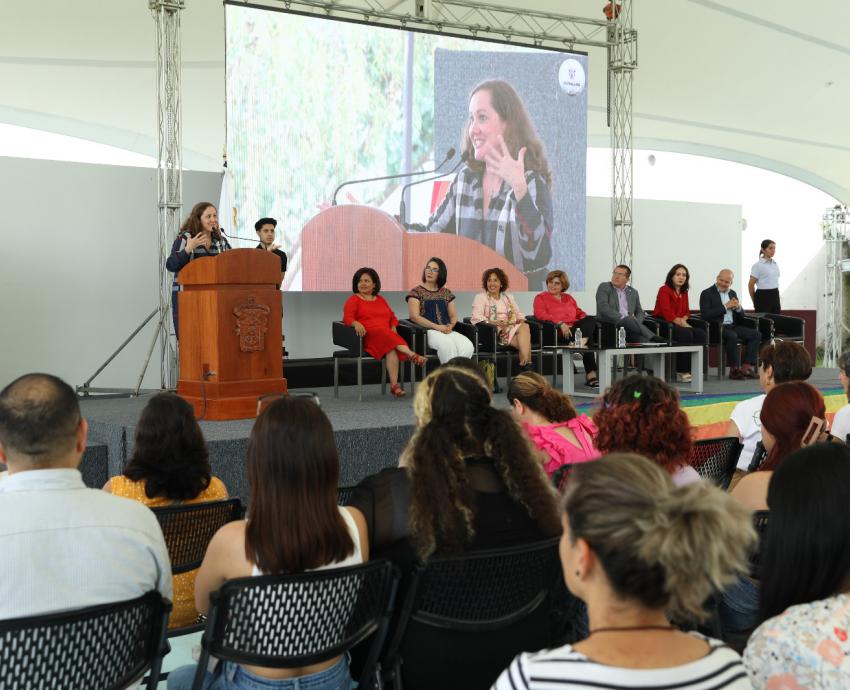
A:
x: 720, y: 304
x: 619, y: 303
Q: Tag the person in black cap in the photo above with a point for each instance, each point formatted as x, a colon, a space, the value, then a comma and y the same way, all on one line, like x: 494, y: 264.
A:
x: 265, y: 228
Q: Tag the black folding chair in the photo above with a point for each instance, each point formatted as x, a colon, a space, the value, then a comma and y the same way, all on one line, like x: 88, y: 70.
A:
x: 343, y: 493
x: 760, y: 522
x: 104, y: 647
x: 188, y: 529
x: 561, y: 476
x: 465, y: 618
x: 346, y: 337
x: 291, y: 621
x: 715, y: 459
x: 759, y: 457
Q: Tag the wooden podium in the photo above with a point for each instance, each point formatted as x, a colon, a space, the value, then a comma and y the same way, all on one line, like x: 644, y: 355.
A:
x: 231, y: 348
x: 341, y: 239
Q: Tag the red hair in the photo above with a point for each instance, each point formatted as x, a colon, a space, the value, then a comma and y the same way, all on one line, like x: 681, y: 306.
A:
x: 786, y: 413
x: 641, y: 414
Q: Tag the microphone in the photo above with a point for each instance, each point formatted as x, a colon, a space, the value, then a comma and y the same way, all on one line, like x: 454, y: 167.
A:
x: 402, y: 209
x: 449, y: 155
x: 244, y: 239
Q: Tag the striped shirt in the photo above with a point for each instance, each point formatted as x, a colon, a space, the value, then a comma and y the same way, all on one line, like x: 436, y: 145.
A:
x: 565, y: 669
x: 179, y: 257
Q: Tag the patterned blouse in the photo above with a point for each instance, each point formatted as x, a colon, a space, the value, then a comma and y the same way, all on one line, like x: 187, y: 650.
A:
x: 184, y: 611
x: 433, y: 304
x: 804, y: 648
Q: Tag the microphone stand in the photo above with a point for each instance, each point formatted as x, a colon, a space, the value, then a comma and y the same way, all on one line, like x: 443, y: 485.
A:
x: 402, y: 211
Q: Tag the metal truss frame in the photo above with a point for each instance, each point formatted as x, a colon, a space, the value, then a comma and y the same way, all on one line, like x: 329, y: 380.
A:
x: 836, y: 231
x: 531, y: 28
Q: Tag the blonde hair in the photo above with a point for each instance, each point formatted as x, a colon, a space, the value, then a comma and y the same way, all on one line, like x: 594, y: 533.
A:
x: 664, y: 546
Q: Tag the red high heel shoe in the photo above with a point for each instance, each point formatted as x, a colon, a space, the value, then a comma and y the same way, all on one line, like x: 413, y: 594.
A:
x: 397, y: 390
x: 419, y: 360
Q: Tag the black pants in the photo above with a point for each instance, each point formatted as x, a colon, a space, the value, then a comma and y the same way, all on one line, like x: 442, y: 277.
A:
x: 588, y: 326
x: 733, y: 336
x: 686, y: 336
x: 767, y: 301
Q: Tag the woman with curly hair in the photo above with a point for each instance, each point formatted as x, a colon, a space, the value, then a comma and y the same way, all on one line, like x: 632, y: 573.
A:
x: 498, y: 307
x: 467, y: 480
x: 170, y: 465
x: 641, y: 414
x: 551, y: 422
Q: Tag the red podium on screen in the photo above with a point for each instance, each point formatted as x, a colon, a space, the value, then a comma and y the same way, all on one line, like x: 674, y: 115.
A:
x: 341, y: 239
x: 230, y: 333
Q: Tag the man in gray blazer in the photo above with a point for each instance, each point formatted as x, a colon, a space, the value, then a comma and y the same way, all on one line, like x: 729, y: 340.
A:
x: 619, y: 303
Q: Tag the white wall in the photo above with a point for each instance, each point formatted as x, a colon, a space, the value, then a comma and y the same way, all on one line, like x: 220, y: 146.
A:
x: 78, y: 268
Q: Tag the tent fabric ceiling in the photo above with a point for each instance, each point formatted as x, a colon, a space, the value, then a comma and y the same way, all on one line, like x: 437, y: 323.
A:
x: 715, y: 77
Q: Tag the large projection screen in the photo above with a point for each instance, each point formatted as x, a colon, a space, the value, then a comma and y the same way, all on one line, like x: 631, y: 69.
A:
x: 312, y: 103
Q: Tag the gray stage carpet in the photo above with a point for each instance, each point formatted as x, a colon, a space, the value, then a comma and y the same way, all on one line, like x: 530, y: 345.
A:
x: 369, y: 435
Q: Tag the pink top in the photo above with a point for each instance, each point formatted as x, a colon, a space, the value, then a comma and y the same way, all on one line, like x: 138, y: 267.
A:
x: 559, y: 449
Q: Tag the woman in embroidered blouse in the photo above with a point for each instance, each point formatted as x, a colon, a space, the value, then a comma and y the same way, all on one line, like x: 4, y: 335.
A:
x: 555, y: 305
x: 550, y: 419
x: 170, y: 465
x: 804, y: 641
x: 671, y: 304
x: 375, y: 322
x: 501, y: 195
x: 199, y: 236
x: 637, y: 549
x: 499, y: 308
x: 293, y: 525
x: 431, y: 304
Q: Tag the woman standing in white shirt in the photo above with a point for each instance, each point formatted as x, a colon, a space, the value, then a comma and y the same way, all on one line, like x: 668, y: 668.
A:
x: 764, y: 275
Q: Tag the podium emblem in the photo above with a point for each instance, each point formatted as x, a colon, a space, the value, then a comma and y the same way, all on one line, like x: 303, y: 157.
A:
x: 252, y: 322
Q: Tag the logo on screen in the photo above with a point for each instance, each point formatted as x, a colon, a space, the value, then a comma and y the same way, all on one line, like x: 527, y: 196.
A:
x: 571, y: 77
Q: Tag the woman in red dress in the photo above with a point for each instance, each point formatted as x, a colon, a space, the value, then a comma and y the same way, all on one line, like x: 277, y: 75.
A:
x: 671, y: 304
x: 375, y: 322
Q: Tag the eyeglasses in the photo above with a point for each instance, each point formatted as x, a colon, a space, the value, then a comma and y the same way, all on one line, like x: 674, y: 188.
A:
x: 621, y: 273
x: 432, y: 270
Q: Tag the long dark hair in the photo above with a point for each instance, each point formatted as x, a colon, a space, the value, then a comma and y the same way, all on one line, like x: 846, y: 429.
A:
x: 456, y: 421
x: 170, y: 454
x: 668, y: 281
x: 519, y: 130
x: 806, y: 556
x: 294, y: 523
x: 442, y: 273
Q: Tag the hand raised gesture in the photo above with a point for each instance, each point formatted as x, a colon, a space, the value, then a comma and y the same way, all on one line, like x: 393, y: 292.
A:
x: 510, y: 169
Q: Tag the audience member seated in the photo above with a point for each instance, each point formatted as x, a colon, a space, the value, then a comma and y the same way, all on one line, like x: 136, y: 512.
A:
x: 636, y: 549
x: 805, y: 594
x: 550, y: 419
x: 786, y: 417
x: 473, y: 366
x: 792, y: 415
x: 841, y: 421
x: 719, y: 304
x: 641, y: 414
x: 619, y: 303
x: 170, y: 465
x: 432, y: 305
x: 65, y: 546
x: 497, y: 307
x: 467, y: 480
x: 375, y: 322
x: 779, y: 362
x: 555, y: 305
x: 671, y: 304
x: 293, y: 525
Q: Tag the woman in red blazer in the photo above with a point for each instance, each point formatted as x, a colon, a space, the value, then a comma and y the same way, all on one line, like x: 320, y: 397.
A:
x: 671, y: 304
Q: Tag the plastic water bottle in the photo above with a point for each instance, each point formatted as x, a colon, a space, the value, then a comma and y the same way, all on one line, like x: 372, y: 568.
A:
x: 577, y: 334
x: 621, y: 337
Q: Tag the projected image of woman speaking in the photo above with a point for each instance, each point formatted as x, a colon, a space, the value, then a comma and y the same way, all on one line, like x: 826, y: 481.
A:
x: 501, y: 196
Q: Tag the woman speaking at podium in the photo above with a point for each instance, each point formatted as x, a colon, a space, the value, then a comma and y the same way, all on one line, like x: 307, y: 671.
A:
x: 501, y: 196
x: 199, y: 236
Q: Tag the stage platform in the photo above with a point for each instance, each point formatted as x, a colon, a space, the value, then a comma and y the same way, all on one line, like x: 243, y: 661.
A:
x: 371, y: 434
